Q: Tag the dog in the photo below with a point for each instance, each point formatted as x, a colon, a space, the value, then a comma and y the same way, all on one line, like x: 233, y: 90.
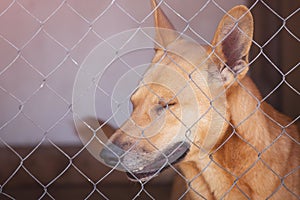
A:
x: 197, y: 108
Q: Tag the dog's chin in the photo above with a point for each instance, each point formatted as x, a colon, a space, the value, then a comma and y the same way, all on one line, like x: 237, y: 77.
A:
x: 143, y: 177
x: 174, y: 154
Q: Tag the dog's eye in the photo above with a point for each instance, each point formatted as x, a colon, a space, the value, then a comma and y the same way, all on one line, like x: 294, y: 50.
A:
x: 165, y: 105
x: 169, y: 105
x: 162, y: 106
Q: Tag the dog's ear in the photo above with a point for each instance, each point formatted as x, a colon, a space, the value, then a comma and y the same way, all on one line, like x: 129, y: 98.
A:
x: 232, y: 43
x: 165, y: 31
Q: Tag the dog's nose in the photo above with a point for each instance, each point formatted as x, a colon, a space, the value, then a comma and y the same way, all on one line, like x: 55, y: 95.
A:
x: 111, y: 154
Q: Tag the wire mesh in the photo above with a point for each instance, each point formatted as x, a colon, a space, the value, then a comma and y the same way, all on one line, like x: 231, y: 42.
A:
x: 44, y: 109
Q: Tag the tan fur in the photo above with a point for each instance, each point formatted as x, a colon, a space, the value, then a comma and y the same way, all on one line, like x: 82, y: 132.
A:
x: 250, y: 155
x: 237, y: 157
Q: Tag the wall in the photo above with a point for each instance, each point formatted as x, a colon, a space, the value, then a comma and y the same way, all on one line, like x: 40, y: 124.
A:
x: 43, y: 44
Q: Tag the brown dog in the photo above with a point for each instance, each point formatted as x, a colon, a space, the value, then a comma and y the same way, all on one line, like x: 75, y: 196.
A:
x: 196, y: 106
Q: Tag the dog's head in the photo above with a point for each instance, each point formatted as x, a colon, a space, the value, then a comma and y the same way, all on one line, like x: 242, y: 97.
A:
x: 180, y: 105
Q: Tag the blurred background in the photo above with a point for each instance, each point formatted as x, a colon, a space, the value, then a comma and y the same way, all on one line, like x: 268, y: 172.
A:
x: 42, y: 46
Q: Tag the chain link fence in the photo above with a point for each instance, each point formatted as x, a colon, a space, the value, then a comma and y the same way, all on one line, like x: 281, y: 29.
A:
x: 43, y: 45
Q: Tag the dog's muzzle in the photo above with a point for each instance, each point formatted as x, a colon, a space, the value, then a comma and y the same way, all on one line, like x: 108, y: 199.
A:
x: 113, y: 156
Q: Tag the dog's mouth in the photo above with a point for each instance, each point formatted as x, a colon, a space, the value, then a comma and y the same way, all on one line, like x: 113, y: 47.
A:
x: 169, y: 157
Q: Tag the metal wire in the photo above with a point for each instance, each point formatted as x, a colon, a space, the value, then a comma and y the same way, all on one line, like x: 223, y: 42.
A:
x: 68, y: 54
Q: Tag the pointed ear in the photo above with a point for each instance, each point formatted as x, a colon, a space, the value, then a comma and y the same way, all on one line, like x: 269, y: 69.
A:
x: 232, y: 43
x: 165, y: 31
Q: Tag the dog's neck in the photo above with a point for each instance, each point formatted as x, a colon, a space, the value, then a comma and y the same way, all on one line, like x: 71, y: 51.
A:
x: 248, y: 120
x: 248, y: 125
